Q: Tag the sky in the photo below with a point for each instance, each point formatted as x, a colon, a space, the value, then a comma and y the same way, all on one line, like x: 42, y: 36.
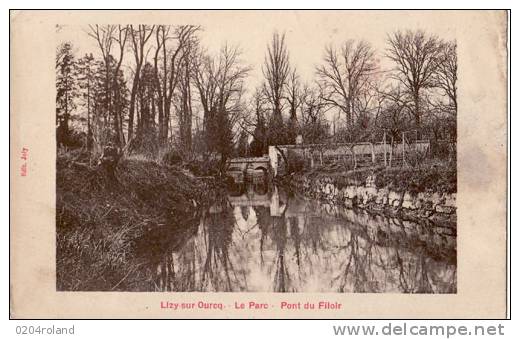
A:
x: 307, y: 33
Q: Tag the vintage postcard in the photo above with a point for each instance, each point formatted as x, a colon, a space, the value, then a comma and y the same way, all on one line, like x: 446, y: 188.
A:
x: 258, y: 164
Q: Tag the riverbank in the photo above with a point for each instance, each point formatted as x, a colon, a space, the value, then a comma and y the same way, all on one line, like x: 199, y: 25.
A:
x: 102, y: 224
x: 427, y: 192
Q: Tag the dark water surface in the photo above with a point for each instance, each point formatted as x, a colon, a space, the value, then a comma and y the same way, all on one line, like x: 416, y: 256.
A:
x: 255, y: 239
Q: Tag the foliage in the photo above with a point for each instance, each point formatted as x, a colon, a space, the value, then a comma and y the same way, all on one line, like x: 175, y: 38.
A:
x: 295, y: 161
x: 242, y: 147
x: 433, y: 177
x: 66, y: 91
x: 220, y: 84
x: 204, y: 168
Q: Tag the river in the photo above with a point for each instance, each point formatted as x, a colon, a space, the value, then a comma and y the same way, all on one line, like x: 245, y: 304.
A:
x: 261, y: 239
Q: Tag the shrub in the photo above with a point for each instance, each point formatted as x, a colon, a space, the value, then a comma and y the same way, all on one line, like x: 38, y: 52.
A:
x: 204, y: 168
x: 296, y: 161
x: 172, y: 157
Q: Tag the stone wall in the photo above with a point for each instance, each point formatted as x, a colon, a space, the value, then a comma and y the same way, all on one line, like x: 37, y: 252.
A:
x: 431, y: 205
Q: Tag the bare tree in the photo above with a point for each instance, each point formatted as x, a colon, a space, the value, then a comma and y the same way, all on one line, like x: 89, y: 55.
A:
x: 345, y: 73
x: 256, y: 125
x: 446, y: 75
x: 310, y: 103
x: 121, y: 39
x: 276, y: 71
x: 183, y: 98
x: 395, y: 111
x: 139, y: 37
x: 293, y: 98
x: 293, y: 94
x: 312, y: 123
x: 417, y: 57
x: 167, y: 69
x: 220, y: 83
x: 105, y: 36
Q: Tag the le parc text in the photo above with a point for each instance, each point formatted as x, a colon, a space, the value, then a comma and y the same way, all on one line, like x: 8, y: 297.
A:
x: 251, y: 305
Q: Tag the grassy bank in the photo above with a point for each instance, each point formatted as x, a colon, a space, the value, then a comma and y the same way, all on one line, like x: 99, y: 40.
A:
x: 102, y: 224
x: 433, y: 176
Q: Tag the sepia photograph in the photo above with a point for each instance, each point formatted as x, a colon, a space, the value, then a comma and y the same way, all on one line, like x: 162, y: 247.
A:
x: 184, y: 164
x: 259, y: 164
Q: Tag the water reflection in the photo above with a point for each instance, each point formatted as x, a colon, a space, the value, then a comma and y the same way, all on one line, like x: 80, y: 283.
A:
x: 256, y: 239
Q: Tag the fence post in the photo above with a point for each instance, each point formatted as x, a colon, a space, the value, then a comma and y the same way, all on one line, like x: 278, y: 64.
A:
x: 384, y: 145
x: 391, y: 150
x: 373, y: 154
x: 403, y: 149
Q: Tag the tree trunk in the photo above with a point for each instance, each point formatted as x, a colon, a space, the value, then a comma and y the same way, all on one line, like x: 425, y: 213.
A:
x: 348, y: 114
x: 132, y: 104
x: 417, y: 113
x: 166, y: 120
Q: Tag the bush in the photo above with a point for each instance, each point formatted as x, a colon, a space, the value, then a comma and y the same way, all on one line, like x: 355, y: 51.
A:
x: 172, y: 157
x: 429, y: 177
x: 203, y: 168
x: 432, y: 175
x: 70, y: 139
x: 295, y: 161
